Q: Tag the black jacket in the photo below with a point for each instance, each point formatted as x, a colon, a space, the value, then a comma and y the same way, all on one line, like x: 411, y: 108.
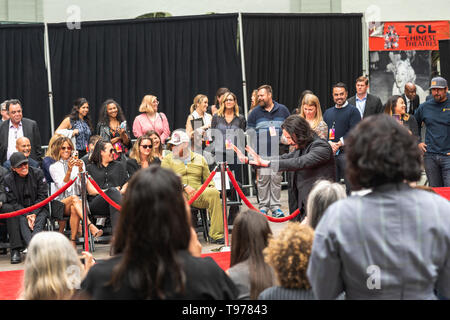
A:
x: 414, y: 104
x: 306, y: 166
x: 38, y: 190
x: 30, y: 130
x: 373, y: 105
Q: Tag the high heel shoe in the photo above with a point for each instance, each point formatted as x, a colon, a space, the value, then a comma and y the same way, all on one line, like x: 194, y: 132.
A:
x: 97, y: 233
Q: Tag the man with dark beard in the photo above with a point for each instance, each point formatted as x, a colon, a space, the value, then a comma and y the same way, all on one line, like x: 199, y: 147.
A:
x: 435, y: 114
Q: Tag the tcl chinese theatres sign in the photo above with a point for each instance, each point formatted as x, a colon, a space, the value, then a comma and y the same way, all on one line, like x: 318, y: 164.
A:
x: 407, y: 35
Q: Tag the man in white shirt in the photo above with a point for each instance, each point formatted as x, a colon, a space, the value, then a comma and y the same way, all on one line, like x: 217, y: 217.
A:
x: 411, y: 98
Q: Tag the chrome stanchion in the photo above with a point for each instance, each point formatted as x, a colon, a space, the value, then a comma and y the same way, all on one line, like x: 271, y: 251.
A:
x: 82, y: 177
x: 223, y: 172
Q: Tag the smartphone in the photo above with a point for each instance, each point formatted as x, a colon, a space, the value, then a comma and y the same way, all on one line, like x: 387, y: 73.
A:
x: 123, y: 125
x: 75, y: 154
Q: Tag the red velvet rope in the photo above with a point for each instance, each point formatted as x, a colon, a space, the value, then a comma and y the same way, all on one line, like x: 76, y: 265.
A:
x: 247, y: 202
x: 103, y: 194
x: 38, y: 205
x: 203, y: 187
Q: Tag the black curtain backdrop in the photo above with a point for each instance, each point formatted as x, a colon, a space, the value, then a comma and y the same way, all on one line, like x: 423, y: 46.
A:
x: 23, y: 74
x: 295, y: 52
x: 444, y: 54
x: 171, y: 58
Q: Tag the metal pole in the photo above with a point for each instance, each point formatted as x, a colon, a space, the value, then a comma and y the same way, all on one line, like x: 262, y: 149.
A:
x: 224, y: 204
x: 244, y: 87
x: 82, y: 177
x: 49, y: 79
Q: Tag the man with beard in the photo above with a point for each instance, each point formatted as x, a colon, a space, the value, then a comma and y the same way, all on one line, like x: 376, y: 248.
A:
x: 340, y: 119
x: 435, y: 114
x: 193, y: 170
x: 265, y: 120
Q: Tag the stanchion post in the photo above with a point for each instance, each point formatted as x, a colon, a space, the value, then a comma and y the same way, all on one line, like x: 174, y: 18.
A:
x: 223, y: 172
x: 83, y: 181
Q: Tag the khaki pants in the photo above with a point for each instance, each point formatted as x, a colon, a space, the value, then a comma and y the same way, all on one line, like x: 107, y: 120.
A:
x: 210, y: 200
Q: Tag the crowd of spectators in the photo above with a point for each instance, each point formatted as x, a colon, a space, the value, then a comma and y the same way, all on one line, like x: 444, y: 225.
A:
x: 342, y: 245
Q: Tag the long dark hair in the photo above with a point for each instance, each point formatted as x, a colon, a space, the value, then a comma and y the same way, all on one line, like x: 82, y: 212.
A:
x: 153, y: 226
x: 299, y: 129
x: 96, y: 156
x: 251, y: 233
x: 74, y: 113
x: 103, y: 115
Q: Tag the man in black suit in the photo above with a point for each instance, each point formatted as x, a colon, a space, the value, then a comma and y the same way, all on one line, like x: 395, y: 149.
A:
x: 17, y: 126
x: 411, y: 98
x: 367, y: 104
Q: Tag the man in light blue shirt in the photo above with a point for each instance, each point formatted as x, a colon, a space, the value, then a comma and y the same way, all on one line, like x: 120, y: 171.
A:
x: 366, y: 103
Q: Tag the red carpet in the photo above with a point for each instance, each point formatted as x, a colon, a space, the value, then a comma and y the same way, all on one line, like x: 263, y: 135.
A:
x: 445, y: 192
x: 11, y: 281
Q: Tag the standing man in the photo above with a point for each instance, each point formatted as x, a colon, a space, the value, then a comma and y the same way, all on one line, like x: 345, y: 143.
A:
x: 411, y: 98
x: 340, y: 119
x: 435, y: 113
x: 24, y: 186
x: 4, y: 112
x: 366, y: 103
x: 18, y: 126
x: 266, y: 120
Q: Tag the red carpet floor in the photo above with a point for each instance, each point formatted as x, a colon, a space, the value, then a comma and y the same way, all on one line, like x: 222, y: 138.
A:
x: 11, y: 281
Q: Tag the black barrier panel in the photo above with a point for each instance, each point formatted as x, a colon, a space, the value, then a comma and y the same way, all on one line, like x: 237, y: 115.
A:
x: 444, y: 53
x: 23, y: 74
x: 295, y: 52
x: 171, y: 58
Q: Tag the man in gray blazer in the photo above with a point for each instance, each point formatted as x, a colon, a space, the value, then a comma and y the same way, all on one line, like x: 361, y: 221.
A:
x: 392, y: 243
x: 367, y: 104
x: 17, y: 126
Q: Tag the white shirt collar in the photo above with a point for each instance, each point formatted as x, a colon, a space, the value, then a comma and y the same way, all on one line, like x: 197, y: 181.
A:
x: 345, y: 104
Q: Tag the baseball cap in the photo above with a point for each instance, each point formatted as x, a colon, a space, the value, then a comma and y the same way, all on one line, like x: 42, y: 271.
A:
x: 17, y: 158
x: 178, y: 137
x: 438, y: 82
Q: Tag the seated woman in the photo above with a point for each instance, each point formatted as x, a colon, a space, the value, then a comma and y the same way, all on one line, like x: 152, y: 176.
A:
x: 112, y: 126
x: 288, y: 254
x: 62, y: 171
x: 157, y: 145
x: 249, y: 272
x: 78, y: 124
x: 110, y: 176
x: 151, y: 258
x: 396, y: 107
x: 53, y: 270
x: 50, y: 157
x: 141, y: 156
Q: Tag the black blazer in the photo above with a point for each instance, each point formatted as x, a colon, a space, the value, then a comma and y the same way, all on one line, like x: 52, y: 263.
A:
x: 30, y: 130
x: 306, y: 166
x: 414, y: 104
x: 373, y: 105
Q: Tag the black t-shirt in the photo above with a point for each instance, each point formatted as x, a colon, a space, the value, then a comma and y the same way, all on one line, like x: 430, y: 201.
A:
x: 114, y: 175
x: 205, y: 280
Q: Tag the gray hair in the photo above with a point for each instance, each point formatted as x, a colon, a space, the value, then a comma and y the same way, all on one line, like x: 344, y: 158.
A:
x: 322, y: 195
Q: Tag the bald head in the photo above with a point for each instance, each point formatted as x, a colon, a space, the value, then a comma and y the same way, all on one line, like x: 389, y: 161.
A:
x: 410, y: 90
x: 23, y: 145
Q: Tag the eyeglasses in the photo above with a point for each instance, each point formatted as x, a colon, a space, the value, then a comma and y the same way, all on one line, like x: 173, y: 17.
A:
x: 20, y: 166
x: 66, y: 148
x: 146, y: 146
x: 229, y: 99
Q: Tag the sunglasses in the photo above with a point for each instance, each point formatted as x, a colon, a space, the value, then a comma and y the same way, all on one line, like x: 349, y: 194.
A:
x: 66, y: 148
x: 229, y: 99
x: 20, y: 166
x: 146, y: 146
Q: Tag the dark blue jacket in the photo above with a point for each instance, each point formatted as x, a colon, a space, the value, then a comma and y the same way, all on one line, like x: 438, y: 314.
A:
x: 436, y: 117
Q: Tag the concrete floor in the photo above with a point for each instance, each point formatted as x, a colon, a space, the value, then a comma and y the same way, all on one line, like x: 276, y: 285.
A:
x: 102, y: 249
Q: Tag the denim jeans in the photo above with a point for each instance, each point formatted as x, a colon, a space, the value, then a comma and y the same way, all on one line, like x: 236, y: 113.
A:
x: 437, y: 168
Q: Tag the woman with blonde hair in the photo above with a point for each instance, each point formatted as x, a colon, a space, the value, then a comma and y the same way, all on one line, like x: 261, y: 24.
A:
x: 53, y: 270
x: 199, y: 121
x: 151, y: 119
x: 312, y: 112
x: 288, y: 255
x: 141, y: 155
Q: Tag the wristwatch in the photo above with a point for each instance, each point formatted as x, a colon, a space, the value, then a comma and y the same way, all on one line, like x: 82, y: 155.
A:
x: 184, y: 186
